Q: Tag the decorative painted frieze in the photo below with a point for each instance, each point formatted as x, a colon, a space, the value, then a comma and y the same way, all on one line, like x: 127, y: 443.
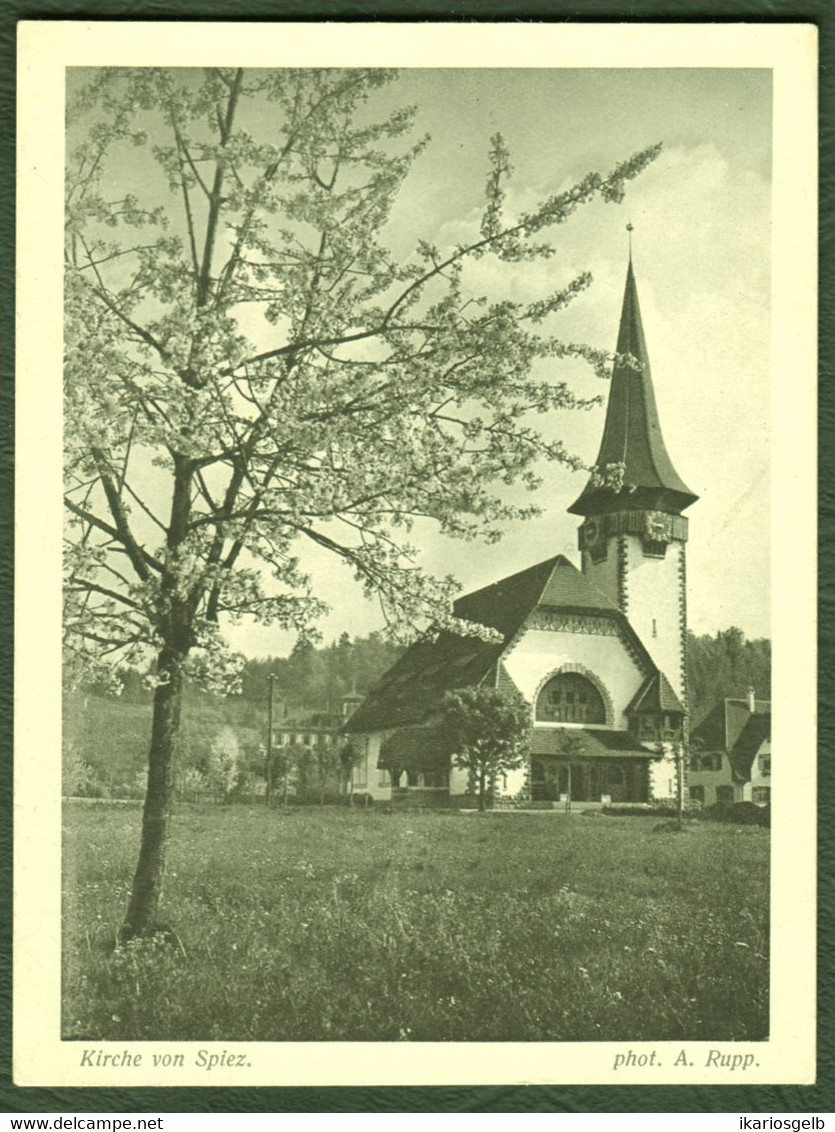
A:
x: 653, y: 527
x: 571, y: 623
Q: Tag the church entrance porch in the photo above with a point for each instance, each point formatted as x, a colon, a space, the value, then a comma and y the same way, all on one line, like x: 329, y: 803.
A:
x: 587, y: 764
x: 588, y: 780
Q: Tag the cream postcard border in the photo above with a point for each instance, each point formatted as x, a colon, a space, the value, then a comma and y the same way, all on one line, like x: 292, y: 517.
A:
x: 45, y: 49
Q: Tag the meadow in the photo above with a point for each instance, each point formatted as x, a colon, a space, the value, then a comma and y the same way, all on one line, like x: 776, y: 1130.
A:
x: 333, y: 924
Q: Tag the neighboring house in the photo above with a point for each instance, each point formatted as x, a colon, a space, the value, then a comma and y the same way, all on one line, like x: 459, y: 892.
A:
x: 598, y: 652
x: 316, y: 749
x: 730, y: 753
x: 315, y: 729
x: 318, y: 730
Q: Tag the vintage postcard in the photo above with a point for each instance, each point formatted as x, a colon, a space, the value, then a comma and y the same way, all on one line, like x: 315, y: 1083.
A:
x: 415, y: 615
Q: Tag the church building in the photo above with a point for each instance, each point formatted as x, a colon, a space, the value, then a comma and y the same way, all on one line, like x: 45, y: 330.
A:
x: 597, y: 652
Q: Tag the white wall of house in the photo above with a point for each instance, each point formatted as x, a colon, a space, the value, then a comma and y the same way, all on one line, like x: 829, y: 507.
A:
x: 718, y: 784
x: 760, y: 784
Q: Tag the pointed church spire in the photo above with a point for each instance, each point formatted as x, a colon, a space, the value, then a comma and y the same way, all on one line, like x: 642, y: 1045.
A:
x: 632, y: 433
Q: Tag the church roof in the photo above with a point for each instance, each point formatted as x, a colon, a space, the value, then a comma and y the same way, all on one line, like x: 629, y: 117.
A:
x: 632, y: 434
x: 655, y: 694
x: 413, y: 687
x: 595, y: 743
x: 418, y: 748
x: 556, y: 583
x: 731, y: 726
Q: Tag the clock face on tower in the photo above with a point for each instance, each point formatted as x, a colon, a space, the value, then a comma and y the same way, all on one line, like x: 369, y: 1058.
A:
x: 658, y: 526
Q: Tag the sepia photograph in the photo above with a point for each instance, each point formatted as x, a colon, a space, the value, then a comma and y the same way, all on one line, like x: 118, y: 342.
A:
x: 417, y: 573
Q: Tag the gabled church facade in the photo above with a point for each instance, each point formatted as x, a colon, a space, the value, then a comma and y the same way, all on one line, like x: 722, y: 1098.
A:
x: 597, y: 652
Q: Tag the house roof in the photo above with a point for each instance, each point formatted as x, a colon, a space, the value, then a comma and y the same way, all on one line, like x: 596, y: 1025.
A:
x: 411, y: 690
x: 732, y: 727
x: 632, y: 433
x: 592, y: 743
x: 655, y: 694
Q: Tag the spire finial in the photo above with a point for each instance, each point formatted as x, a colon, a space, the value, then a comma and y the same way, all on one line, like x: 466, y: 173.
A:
x: 629, y: 228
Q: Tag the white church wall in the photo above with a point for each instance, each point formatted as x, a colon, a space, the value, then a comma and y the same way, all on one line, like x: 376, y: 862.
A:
x: 459, y: 780
x: 541, y: 652
x: 654, y: 605
x: 663, y: 777
x: 512, y: 782
x: 604, y: 574
x: 366, y: 778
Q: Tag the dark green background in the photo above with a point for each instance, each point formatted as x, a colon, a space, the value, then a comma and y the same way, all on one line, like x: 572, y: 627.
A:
x: 764, y: 1099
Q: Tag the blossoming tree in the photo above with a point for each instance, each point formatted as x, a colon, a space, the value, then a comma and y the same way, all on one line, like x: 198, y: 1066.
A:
x: 200, y: 451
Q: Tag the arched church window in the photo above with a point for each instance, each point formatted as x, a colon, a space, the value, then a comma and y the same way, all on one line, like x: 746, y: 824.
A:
x: 570, y: 698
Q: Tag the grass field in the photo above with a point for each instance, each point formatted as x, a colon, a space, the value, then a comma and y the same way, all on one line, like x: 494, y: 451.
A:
x: 360, y: 925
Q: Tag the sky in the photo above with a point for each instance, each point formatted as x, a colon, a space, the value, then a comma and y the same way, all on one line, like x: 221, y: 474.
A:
x: 701, y: 253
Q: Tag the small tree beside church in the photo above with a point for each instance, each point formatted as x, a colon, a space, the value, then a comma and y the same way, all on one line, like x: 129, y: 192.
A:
x: 486, y: 731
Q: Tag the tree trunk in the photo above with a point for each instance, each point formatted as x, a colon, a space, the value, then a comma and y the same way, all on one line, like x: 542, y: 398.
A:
x: 141, y: 918
x: 482, y: 782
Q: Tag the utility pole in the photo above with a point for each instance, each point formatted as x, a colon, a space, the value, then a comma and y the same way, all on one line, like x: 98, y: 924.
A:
x: 268, y: 769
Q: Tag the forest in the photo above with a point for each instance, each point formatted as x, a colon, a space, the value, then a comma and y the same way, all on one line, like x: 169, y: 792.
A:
x: 223, y: 743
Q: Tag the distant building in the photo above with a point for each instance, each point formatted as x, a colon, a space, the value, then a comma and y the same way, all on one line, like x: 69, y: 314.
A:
x: 597, y: 652
x: 315, y: 730
x: 730, y: 753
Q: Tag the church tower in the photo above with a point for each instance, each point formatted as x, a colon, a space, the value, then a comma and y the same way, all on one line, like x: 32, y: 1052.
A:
x: 633, y: 537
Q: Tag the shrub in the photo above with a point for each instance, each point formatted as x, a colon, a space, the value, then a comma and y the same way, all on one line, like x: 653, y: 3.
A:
x: 738, y: 813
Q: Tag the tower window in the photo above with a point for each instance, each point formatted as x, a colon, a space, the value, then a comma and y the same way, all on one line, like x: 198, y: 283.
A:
x: 570, y: 698
x: 598, y: 552
x: 654, y: 627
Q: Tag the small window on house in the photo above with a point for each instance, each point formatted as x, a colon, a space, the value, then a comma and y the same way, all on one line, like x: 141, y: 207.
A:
x: 384, y: 777
x: 654, y: 627
x: 765, y: 764
x: 697, y: 794
x: 761, y: 795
